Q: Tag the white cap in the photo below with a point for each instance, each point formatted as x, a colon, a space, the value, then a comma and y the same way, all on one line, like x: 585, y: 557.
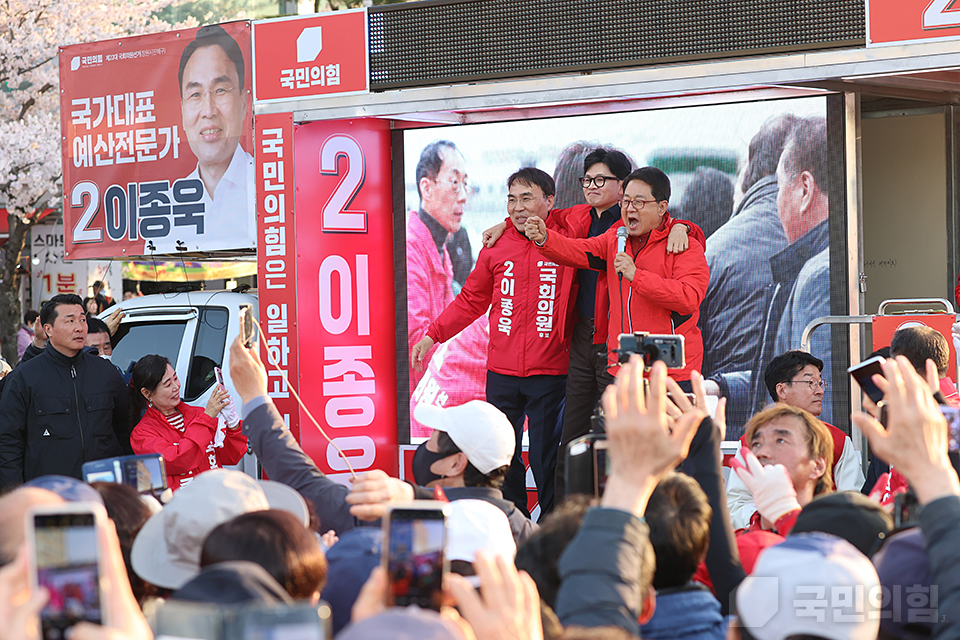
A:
x: 479, y: 430
x: 810, y: 584
x: 477, y: 524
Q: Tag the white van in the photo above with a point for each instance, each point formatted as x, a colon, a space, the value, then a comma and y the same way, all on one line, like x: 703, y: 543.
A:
x: 193, y: 330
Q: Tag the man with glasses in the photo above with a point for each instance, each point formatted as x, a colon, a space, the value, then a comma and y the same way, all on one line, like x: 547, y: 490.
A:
x: 442, y: 185
x: 213, y: 105
x: 604, y: 170
x: 795, y: 378
x: 650, y: 289
x: 527, y: 298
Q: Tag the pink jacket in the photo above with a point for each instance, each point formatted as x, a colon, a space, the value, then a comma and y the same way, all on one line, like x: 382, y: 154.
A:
x: 429, y: 286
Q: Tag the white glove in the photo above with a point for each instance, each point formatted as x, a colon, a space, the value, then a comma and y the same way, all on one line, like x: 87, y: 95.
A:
x: 230, y: 415
x: 771, y: 486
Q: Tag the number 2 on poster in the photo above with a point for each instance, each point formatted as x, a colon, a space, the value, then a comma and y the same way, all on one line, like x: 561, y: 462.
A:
x: 336, y: 217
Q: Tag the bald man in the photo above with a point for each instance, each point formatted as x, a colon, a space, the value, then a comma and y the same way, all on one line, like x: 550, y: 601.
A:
x: 13, y: 509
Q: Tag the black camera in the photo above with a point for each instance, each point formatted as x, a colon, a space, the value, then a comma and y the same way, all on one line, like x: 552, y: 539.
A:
x: 668, y: 348
x: 587, y: 465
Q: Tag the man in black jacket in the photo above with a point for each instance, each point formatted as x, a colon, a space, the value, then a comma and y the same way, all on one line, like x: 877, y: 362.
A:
x: 63, y: 407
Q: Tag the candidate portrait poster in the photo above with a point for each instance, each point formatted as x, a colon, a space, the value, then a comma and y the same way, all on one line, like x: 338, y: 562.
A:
x: 721, y: 160
x: 157, y: 144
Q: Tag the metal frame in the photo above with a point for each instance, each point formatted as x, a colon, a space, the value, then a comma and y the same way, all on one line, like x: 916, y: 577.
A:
x: 799, y: 71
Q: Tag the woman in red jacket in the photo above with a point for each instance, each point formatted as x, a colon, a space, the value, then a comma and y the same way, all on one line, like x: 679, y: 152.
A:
x: 189, y: 438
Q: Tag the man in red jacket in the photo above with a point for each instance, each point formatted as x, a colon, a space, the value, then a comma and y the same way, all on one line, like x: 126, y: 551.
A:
x: 650, y: 289
x: 528, y: 298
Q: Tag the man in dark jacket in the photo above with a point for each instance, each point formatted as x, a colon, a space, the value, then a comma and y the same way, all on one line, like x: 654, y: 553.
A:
x: 63, y: 407
x: 800, y: 273
x: 738, y: 254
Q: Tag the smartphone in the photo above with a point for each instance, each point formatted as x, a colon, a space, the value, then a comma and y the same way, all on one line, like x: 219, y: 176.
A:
x: 65, y: 558
x: 952, y: 414
x: 247, y: 329
x: 147, y: 472
x: 217, y: 371
x: 269, y: 622
x: 905, y: 507
x: 863, y: 373
x: 414, y: 553
x: 601, y: 467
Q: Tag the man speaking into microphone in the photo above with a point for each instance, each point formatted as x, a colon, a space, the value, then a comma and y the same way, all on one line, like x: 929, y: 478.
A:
x: 651, y: 289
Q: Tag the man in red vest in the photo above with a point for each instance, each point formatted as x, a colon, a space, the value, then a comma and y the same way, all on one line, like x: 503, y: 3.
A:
x: 794, y: 378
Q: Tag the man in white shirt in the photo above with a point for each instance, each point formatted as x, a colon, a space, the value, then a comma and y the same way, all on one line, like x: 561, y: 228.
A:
x: 213, y: 105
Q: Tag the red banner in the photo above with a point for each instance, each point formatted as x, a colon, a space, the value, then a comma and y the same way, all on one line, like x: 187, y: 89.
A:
x: 885, y: 326
x: 156, y: 143
x: 902, y: 21
x: 345, y: 293
x: 276, y: 260
x: 312, y: 56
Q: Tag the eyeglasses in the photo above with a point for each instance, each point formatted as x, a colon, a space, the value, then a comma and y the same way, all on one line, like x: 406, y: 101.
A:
x: 219, y: 96
x: 598, y: 181
x: 526, y: 201
x: 636, y: 203
x: 813, y: 384
x: 456, y: 184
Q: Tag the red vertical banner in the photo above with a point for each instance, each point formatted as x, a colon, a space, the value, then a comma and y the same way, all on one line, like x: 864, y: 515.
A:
x: 276, y: 260
x: 346, y: 293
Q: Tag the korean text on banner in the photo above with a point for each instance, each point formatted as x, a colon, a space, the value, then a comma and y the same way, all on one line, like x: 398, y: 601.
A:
x: 315, y: 55
x: 276, y: 261
x: 345, y: 292
x: 157, y: 135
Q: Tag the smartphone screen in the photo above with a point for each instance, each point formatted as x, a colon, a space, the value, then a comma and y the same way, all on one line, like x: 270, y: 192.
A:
x: 65, y: 548
x: 146, y: 473
x: 415, y: 557
x: 601, y: 467
x: 219, y: 373
x: 863, y: 374
x: 952, y: 414
x: 246, y: 325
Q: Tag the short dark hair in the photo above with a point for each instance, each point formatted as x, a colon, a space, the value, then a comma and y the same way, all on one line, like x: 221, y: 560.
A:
x: 472, y: 477
x: 708, y: 200
x: 657, y: 179
x: 766, y: 147
x: 919, y: 344
x: 533, y: 177
x: 617, y: 161
x: 208, y: 36
x: 48, y: 312
x: 539, y: 554
x: 30, y: 316
x: 278, y: 542
x: 785, y: 366
x: 806, y: 150
x: 96, y: 325
x: 431, y: 160
x: 678, y: 515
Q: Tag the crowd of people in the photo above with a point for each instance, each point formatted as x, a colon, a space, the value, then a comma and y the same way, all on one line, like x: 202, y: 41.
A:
x: 789, y: 539
x: 654, y: 556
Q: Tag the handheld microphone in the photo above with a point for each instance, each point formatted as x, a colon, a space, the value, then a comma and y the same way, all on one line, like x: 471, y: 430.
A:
x: 621, y: 244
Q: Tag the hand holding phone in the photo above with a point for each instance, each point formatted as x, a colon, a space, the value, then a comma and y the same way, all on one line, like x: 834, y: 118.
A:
x: 863, y: 373
x: 66, y: 559
x: 247, y: 329
x: 414, y: 553
x: 118, y: 608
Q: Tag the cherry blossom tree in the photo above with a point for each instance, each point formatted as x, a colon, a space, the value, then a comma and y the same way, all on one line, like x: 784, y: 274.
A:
x: 31, y: 32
